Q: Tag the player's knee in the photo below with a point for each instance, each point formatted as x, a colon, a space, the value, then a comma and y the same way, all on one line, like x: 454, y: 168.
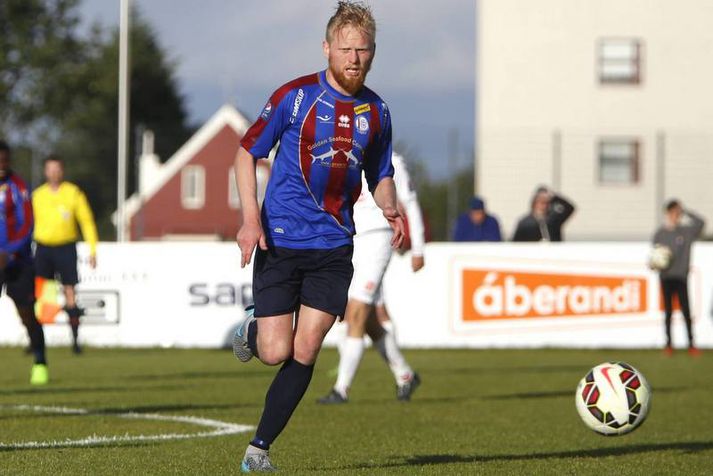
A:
x: 307, y: 350
x: 275, y: 354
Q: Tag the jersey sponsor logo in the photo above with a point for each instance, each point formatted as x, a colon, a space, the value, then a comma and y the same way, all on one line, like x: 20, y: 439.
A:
x: 326, y: 103
x: 327, y: 159
x: 361, y: 109
x: 331, y: 140
x: 503, y: 294
x: 279, y: 230
x: 325, y: 118
x: 296, y: 106
x: 266, y: 112
x: 344, y: 121
x: 362, y: 124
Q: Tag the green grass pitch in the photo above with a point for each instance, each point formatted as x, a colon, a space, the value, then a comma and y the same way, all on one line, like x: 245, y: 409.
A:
x: 477, y: 412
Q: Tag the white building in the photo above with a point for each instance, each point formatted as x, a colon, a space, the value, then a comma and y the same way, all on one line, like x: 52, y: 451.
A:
x: 609, y: 102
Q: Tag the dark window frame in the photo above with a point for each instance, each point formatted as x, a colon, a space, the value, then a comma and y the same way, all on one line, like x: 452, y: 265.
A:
x: 635, y: 162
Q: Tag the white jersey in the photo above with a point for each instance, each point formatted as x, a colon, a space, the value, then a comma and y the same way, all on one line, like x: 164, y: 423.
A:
x: 369, y: 217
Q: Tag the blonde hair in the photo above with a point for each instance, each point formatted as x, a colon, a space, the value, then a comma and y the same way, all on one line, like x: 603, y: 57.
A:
x: 356, y: 14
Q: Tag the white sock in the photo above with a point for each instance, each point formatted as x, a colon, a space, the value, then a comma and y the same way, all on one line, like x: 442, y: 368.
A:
x: 390, y: 352
x: 389, y: 327
x: 349, y: 358
x: 341, y: 331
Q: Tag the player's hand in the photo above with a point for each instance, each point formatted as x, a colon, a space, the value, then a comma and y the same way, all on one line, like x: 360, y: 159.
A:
x: 396, y: 222
x: 417, y: 263
x: 4, y: 258
x: 93, y: 262
x: 249, y: 236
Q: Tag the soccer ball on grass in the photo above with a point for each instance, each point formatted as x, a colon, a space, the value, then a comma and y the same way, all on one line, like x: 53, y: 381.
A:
x: 613, y: 398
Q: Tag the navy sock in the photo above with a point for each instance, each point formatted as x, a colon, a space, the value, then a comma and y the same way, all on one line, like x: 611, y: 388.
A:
x: 36, y: 334
x: 252, y: 338
x: 282, y: 398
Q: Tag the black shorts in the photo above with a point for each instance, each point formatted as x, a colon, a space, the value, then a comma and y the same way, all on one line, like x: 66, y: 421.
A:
x: 61, y: 260
x: 20, y: 280
x: 284, y: 278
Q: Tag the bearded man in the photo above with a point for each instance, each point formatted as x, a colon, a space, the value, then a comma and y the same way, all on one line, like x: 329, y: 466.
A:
x: 331, y: 129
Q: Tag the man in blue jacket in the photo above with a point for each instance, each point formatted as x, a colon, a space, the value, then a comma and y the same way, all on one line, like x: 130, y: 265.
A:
x: 476, y: 224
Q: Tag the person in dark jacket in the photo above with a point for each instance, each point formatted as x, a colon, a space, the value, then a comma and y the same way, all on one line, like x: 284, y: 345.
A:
x: 476, y: 224
x: 548, y: 212
x: 678, y: 238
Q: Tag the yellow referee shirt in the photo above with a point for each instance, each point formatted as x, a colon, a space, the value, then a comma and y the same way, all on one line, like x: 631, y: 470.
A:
x: 57, y: 213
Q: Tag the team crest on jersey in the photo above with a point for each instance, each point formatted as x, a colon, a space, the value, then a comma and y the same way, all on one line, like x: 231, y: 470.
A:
x: 344, y: 121
x: 362, y: 124
x: 267, y: 111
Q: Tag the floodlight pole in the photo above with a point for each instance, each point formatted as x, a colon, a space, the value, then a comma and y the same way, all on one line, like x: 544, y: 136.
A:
x: 124, y: 96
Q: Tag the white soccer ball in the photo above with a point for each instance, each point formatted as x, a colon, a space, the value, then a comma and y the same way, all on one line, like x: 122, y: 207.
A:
x: 613, y: 398
x: 660, y: 257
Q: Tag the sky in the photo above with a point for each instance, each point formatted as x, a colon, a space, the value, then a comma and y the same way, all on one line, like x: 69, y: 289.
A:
x: 240, y: 51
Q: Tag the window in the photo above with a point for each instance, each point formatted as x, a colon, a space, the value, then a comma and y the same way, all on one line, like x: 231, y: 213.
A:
x: 233, y: 195
x: 193, y: 187
x: 619, y: 61
x: 619, y: 161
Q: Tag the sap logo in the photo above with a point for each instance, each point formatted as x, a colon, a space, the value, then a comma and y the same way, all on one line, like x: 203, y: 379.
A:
x: 344, y: 121
x: 221, y: 294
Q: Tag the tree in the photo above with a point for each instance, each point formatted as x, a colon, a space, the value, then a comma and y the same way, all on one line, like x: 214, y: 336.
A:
x: 39, y: 52
x: 433, y: 194
x: 58, y: 93
x: 89, y: 125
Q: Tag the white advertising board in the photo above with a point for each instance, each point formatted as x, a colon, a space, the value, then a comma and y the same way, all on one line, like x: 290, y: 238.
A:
x: 468, y: 295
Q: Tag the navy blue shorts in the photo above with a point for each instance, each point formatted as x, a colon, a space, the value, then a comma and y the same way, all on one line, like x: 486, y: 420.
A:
x: 285, y: 278
x: 20, y: 280
x: 61, y: 260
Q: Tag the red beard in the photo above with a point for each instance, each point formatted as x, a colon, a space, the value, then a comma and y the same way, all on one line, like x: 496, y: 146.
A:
x: 350, y: 84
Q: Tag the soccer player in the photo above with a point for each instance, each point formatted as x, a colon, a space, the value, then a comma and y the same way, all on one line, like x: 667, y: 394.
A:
x: 330, y: 128
x: 17, y: 271
x: 674, y: 279
x: 366, y: 312
x: 59, y: 206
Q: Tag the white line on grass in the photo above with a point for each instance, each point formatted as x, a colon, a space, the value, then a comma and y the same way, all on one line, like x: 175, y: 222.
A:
x: 220, y: 428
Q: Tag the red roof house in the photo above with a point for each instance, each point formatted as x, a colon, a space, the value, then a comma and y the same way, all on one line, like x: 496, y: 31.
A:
x: 193, y: 194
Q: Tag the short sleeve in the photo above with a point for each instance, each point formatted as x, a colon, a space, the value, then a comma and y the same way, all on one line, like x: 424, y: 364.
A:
x: 267, y: 130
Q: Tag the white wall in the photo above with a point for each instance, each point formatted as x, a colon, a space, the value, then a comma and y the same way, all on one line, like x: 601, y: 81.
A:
x: 537, y: 74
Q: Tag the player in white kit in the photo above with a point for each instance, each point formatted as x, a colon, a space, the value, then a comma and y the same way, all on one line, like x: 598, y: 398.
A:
x: 366, y: 312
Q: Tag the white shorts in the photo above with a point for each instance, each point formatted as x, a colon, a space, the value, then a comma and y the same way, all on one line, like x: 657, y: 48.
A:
x: 372, y: 252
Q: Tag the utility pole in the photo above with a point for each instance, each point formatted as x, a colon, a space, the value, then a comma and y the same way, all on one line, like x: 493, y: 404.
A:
x: 124, y: 102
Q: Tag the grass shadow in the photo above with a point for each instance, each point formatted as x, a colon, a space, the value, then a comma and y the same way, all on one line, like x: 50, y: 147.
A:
x: 436, y: 459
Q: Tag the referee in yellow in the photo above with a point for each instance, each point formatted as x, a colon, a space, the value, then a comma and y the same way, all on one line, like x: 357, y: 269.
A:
x: 59, y: 206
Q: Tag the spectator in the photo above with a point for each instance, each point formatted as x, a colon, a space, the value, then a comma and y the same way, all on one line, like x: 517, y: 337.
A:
x: 476, y: 224
x: 678, y: 238
x: 548, y: 213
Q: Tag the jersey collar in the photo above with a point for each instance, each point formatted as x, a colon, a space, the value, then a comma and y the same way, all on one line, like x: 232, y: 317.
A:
x: 333, y: 92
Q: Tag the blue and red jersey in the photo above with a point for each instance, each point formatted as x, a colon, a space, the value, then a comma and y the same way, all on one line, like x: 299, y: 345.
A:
x: 326, y: 140
x: 15, y: 217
